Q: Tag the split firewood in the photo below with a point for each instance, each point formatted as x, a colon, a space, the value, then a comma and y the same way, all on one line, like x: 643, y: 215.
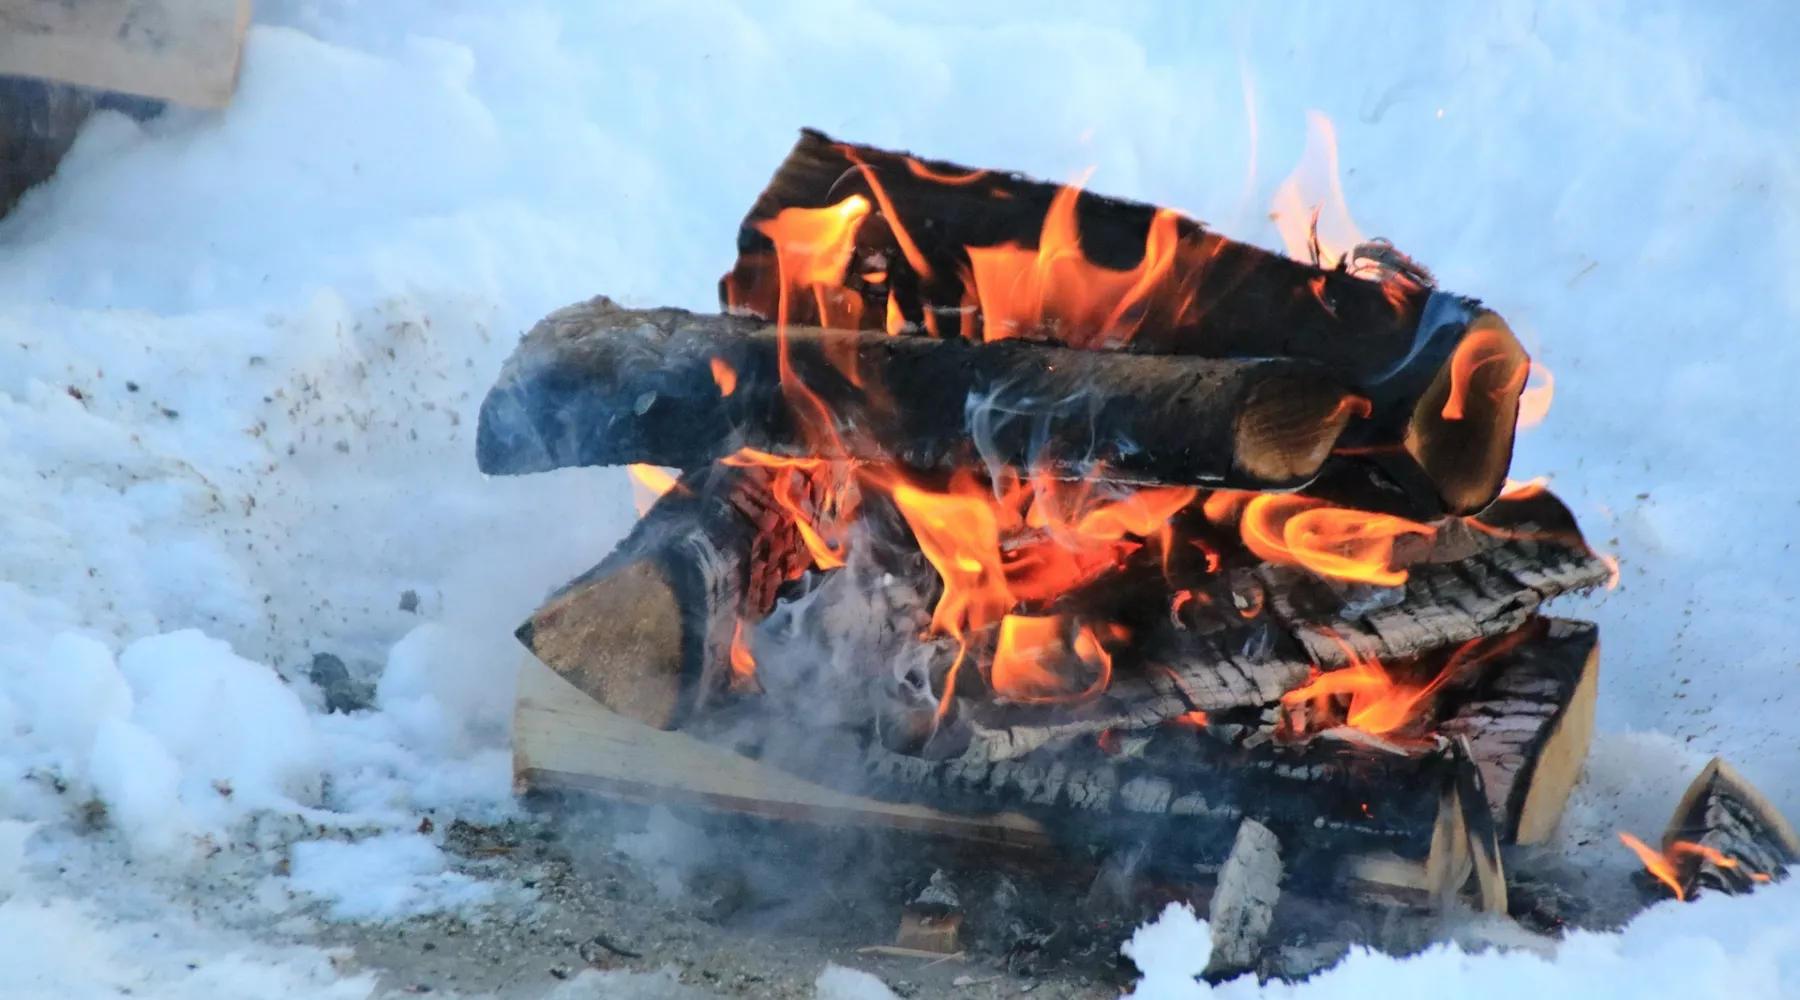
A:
x: 1726, y: 836
x: 598, y: 384
x: 650, y: 630
x: 1529, y: 723
x: 1243, y: 903
x: 932, y: 228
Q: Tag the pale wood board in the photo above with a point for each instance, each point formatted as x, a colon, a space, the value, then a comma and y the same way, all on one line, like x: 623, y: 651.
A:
x: 563, y: 739
x: 185, y: 51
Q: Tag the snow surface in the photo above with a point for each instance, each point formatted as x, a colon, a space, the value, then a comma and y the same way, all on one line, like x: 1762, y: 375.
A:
x: 240, y: 355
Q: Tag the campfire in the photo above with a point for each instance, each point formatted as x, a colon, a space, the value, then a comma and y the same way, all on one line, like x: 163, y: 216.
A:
x: 1019, y: 512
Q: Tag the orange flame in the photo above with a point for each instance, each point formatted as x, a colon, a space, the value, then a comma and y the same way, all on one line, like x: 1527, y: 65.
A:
x: 1332, y: 541
x: 813, y: 247
x: 1056, y: 289
x: 1515, y: 490
x: 1309, y: 208
x: 725, y: 376
x: 924, y: 172
x: 648, y: 483
x: 1478, y: 350
x: 823, y: 535
x: 1534, y: 401
x: 1031, y: 657
x: 743, y: 665
x: 1196, y: 718
x: 1378, y: 704
x: 1655, y: 863
x: 1663, y: 864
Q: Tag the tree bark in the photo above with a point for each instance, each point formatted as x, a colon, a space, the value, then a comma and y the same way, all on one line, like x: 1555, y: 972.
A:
x: 596, y: 384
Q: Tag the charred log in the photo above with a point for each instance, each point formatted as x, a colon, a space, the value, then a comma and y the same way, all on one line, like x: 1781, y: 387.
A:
x: 597, y: 384
x: 1391, y: 340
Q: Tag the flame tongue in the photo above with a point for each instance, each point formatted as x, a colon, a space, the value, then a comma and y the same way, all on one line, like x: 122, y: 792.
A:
x: 1056, y: 291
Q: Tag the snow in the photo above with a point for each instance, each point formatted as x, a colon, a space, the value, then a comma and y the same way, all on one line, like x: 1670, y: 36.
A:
x: 240, y: 355
x: 840, y: 983
x: 386, y: 877
x: 1716, y: 947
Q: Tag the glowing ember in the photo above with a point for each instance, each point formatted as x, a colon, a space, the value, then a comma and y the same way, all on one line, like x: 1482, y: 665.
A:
x: 1378, y: 704
x: 648, y: 482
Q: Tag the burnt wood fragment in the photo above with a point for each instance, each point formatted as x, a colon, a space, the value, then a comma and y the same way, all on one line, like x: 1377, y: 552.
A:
x: 1725, y: 836
x: 1243, y: 903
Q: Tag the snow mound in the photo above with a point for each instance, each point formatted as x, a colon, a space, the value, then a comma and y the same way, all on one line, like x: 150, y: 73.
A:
x: 387, y: 877
x: 1715, y: 948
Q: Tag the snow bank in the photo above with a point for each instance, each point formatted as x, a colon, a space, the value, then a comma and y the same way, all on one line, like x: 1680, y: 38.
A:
x: 1716, y: 947
x: 56, y: 949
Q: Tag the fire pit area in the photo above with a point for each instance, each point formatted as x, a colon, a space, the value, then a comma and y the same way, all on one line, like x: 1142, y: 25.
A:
x: 1005, y: 512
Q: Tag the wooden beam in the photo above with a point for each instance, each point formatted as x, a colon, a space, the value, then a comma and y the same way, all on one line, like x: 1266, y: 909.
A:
x: 185, y: 51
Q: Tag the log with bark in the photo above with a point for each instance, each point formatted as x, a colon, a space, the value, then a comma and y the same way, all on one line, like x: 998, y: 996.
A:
x: 1390, y: 340
x: 598, y: 384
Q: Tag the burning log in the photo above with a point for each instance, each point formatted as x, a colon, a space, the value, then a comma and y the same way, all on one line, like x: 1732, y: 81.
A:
x: 598, y: 384
x: 924, y: 246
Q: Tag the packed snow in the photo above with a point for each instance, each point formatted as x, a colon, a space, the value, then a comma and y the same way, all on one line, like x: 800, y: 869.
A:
x: 241, y: 352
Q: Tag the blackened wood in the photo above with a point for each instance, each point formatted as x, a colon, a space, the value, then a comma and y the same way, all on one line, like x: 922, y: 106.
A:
x: 598, y: 384
x: 1247, y: 302
x: 648, y: 631
x: 1391, y: 340
x: 1229, y: 663
x: 1725, y: 814
x: 1183, y: 788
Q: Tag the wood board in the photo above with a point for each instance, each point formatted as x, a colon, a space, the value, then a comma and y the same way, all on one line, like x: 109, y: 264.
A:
x: 184, y: 51
x: 563, y: 739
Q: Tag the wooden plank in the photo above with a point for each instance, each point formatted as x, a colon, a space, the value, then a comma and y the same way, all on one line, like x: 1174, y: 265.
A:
x: 185, y: 51
x: 563, y: 739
